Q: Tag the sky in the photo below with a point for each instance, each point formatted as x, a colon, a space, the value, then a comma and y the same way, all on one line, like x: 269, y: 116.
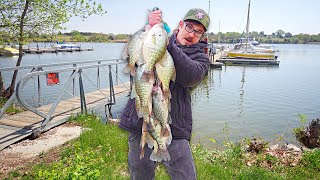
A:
x: 128, y: 16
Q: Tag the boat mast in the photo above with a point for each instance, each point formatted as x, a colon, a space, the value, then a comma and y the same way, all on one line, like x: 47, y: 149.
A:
x: 247, y: 28
x: 207, y: 29
x: 219, y: 33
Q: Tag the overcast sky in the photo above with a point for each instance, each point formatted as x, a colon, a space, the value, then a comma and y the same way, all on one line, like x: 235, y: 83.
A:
x: 127, y: 16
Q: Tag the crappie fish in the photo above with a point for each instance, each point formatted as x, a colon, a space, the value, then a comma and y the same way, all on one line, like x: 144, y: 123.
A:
x: 133, y: 51
x: 165, y: 72
x: 160, y: 151
x: 160, y: 110
x: 154, y: 46
x: 143, y: 89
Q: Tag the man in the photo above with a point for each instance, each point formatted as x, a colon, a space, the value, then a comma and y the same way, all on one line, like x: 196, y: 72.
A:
x: 191, y: 63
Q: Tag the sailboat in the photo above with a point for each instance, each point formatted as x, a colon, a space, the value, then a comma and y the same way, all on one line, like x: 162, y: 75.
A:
x: 247, y: 50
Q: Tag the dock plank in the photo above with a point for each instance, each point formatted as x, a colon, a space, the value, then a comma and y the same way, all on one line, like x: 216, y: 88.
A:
x: 15, y: 123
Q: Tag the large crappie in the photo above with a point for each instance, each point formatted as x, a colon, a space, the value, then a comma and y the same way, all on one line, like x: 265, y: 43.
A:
x: 160, y: 110
x: 165, y: 72
x: 154, y: 46
x: 142, y: 92
x: 143, y: 89
x: 133, y: 51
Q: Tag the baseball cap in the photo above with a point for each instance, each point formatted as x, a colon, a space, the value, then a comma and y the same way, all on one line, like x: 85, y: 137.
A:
x: 198, y: 15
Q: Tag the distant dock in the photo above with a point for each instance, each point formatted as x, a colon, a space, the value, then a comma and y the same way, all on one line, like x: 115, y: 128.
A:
x: 54, y: 50
x: 237, y: 61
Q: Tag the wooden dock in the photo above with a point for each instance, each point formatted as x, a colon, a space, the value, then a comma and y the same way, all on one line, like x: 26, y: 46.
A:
x: 213, y: 60
x: 235, y: 61
x: 54, y: 50
x: 21, y: 125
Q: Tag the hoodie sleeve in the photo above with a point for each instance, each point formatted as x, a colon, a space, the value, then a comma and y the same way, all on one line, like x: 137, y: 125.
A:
x: 189, y: 70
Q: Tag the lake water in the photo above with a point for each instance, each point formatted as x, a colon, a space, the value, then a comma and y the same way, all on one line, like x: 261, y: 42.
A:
x: 235, y: 101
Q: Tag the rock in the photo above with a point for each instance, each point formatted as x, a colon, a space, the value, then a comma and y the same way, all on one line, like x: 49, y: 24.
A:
x: 293, y: 147
x: 274, y: 147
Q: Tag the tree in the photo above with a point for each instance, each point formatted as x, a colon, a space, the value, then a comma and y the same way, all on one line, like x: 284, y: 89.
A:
x: 280, y: 33
x: 20, y: 18
x: 287, y: 35
x: 254, y: 34
x: 75, y: 33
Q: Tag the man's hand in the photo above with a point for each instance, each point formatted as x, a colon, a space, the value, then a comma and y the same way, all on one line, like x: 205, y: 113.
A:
x: 155, y: 17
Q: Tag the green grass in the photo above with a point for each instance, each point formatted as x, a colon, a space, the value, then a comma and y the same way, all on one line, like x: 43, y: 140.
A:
x: 101, y: 153
x: 13, y: 109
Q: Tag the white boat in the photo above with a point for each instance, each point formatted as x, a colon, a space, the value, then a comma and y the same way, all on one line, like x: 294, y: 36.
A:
x: 63, y: 45
x: 258, y: 46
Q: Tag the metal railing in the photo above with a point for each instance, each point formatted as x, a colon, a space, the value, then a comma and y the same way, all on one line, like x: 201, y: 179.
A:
x: 75, y: 71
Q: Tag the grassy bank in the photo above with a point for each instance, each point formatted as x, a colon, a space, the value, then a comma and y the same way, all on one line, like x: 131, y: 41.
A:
x: 101, y: 153
x: 12, y: 109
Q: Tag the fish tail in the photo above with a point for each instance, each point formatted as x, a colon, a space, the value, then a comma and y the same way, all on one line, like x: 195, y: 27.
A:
x: 165, y: 131
x: 150, y: 141
x: 143, y: 139
x: 140, y: 113
x: 168, y: 140
x: 169, y: 119
x: 167, y: 94
x: 160, y: 155
x: 142, y: 153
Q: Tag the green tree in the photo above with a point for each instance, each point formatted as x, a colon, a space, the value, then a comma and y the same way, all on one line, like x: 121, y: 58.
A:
x: 287, y: 35
x: 261, y: 33
x: 20, y: 18
x: 79, y: 38
x: 74, y: 33
x: 254, y: 34
x: 280, y: 33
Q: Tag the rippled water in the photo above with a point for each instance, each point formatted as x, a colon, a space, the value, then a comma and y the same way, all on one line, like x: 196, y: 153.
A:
x: 246, y: 101
x: 235, y: 101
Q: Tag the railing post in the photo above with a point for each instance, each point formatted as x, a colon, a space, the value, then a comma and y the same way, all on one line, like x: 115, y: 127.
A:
x: 111, y: 100
x: 82, y: 96
x: 98, y: 77
x: 39, y: 87
x: 73, y: 82
x: 117, y: 75
x: 112, y: 96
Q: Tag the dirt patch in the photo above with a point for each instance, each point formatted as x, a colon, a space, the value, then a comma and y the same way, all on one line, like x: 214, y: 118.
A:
x: 29, y: 151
